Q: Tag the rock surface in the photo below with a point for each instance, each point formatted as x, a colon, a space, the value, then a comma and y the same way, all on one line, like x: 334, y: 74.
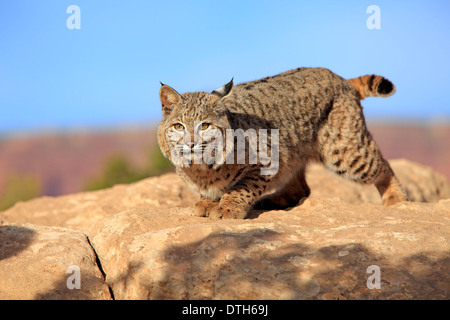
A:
x: 148, y: 247
x: 82, y: 210
x: 319, y: 250
x: 37, y: 262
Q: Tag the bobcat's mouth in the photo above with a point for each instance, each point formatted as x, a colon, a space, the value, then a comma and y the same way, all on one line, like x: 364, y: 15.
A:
x: 207, y: 154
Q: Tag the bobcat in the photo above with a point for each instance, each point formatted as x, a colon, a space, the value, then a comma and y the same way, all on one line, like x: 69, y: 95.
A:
x: 318, y: 116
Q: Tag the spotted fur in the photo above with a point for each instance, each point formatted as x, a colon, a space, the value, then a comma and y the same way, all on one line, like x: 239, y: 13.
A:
x: 319, y: 117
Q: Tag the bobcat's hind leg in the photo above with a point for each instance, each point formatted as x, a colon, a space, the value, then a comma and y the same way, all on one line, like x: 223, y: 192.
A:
x: 389, y: 187
x: 348, y: 149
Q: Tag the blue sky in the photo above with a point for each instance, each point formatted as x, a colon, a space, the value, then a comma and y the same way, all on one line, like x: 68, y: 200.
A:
x: 108, y: 72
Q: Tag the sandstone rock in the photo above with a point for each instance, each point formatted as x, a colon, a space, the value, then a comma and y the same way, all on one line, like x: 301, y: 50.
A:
x: 150, y: 248
x: 35, y: 263
x: 81, y: 211
x: 319, y: 250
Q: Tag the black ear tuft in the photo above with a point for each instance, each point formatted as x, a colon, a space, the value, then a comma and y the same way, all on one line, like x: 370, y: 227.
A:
x: 224, y: 90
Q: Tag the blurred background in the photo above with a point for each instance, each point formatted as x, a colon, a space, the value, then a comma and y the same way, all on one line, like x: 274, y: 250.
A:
x: 79, y: 107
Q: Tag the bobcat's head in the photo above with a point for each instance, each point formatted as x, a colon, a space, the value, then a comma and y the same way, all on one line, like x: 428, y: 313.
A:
x: 193, y: 128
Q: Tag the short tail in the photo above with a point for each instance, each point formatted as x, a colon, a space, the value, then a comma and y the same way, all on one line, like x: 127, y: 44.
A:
x: 372, y: 86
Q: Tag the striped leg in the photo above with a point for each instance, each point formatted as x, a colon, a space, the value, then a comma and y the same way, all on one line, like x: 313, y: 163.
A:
x: 347, y: 148
x: 238, y: 200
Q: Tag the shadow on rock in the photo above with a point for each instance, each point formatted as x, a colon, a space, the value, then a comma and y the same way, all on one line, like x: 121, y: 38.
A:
x: 14, y: 239
x: 60, y: 290
x: 257, y: 265
x: 236, y: 265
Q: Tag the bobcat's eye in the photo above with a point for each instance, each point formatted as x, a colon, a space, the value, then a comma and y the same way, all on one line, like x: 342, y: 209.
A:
x: 178, y: 126
x: 205, y: 126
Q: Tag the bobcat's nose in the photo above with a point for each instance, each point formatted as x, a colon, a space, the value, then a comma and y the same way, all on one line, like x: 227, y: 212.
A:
x: 190, y: 144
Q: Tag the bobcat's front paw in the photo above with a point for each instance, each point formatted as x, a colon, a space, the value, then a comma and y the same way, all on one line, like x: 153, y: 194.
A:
x: 203, y: 207
x: 220, y: 212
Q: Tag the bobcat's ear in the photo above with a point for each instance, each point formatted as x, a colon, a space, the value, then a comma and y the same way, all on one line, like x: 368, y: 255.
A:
x: 168, y: 97
x: 224, y: 90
